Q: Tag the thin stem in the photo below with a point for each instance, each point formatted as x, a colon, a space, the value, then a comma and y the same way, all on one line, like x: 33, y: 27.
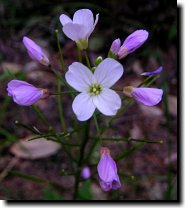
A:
x: 60, y: 50
x: 87, y: 59
x: 41, y: 116
x: 64, y: 92
x: 79, y: 54
x: 81, y: 158
x: 60, y: 111
x: 128, y: 139
x: 97, y: 127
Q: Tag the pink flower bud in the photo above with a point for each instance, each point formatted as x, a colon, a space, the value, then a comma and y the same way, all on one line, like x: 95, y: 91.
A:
x: 133, y: 42
x: 35, y: 52
x: 116, y: 44
x: 24, y: 93
x: 157, y: 71
x: 85, y: 173
x: 107, y: 171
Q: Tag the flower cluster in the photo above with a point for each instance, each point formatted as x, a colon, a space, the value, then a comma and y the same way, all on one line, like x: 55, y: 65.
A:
x: 93, y: 85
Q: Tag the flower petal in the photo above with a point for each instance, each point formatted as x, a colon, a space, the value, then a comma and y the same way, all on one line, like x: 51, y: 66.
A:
x: 64, y: 19
x: 147, y: 96
x: 93, y: 27
x: 108, y: 72
x: 157, y: 71
x: 107, y: 168
x: 106, y: 186
x: 84, y: 17
x: 35, y: 51
x: 75, y: 31
x: 116, y: 184
x: 83, y: 106
x: 108, y: 102
x: 116, y: 44
x: 23, y: 93
x: 79, y: 76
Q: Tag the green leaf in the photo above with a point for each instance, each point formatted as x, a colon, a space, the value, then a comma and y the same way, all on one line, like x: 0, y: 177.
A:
x: 85, y: 192
x: 49, y: 194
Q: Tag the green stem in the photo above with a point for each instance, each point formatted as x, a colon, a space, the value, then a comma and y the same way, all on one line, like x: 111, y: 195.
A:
x: 61, y: 116
x: 41, y: 117
x: 79, y: 54
x: 60, y: 50
x: 81, y: 158
x: 97, y: 127
x: 64, y: 92
x: 128, y: 139
x: 87, y: 59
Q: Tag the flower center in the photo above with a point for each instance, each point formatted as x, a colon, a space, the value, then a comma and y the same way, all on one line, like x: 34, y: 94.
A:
x: 95, y: 89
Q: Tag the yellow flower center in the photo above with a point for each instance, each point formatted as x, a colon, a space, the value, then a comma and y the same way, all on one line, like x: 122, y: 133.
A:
x: 95, y: 89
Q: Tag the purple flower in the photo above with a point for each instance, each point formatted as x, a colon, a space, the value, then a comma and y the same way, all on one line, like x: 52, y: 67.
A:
x: 157, y: 71
x: 85, y: 172
x: 24, y: 93
x: 132, y: 42
x: 94, y: 88
x: 80, y: 28
x: 147, y: 96
x: 116, y: 44
x: 107, y: 171
x: 35, y: 52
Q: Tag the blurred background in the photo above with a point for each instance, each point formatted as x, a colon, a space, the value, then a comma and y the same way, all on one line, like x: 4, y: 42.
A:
x: 149, y: 172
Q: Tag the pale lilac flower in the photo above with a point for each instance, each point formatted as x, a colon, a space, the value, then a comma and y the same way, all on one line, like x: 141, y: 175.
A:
x: 157, y: 71
x: 85, y: 172
x: 24, y: 93
x: 80, y: 28
x: 95, y: 88
x: 132, y: 42
x: 107, y: 171
x: 35, y: 51
x: 116, y: 44
x: 147, y: 96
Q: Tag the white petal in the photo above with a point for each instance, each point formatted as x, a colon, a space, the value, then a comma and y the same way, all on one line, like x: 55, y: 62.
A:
x: 75, y: 31
x: 79, y: 76
x: 91, y: 30
x: 108, y: 72
x: 108, y: 102
x: 84, y: 17
x: 64, y: 19
x: 83, y: 106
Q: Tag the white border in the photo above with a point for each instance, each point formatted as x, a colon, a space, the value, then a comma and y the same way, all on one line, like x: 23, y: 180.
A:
x: 183, y: 4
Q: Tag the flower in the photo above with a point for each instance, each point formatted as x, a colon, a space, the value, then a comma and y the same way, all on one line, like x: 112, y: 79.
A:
x: 24, y: 93
x: 107, y: 171
x: 157, y: 71
x: 85, y: 172
x: 146, y: 96
x: 80, y: 28
x: 94, y: 88
x: 35, y: 51
x: 116, y: 44
x: 131, y: 43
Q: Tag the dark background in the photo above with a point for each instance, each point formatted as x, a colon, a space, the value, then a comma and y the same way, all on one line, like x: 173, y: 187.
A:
x: 151, y: 171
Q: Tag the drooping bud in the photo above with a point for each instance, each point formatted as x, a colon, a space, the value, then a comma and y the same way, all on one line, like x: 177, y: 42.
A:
x: 24, y: 93
x: 107, y: 171
x: 35, y: 51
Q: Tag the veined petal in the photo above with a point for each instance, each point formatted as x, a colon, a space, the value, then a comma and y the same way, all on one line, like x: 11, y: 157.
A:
x: 84, y: 17
x: 75, y: 31
x: 79, y: 76
x: 108, y: 72
x: 147, y: 96
x: 108, y: 102
x: 106, y: 168
x: 64, y: 19
x: 83, y: 106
